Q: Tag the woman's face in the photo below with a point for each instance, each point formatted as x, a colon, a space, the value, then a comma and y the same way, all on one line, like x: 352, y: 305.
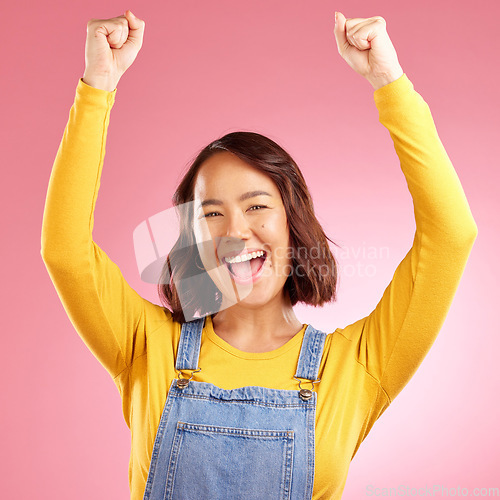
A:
x: 241, y: 231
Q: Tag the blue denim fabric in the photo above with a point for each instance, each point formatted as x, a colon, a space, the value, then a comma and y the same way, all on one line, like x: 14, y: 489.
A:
x: 251, y: 443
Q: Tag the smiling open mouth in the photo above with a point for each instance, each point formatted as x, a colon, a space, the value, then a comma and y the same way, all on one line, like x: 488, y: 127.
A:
x: 247, y: 266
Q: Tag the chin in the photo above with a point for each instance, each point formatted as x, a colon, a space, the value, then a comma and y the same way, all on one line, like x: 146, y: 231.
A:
x: 261, y: 296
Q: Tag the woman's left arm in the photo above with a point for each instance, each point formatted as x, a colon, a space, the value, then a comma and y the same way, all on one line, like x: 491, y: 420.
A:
x: 395, y: 337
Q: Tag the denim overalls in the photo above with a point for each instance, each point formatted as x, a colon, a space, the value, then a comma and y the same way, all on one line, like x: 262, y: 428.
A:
x: 251, y: 443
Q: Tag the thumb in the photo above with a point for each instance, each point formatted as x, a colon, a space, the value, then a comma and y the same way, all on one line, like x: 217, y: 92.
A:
x: 339, y: 31
x: 136, y: 28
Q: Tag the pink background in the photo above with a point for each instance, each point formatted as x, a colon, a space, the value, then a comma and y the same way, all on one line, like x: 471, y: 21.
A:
x: 207, y: 68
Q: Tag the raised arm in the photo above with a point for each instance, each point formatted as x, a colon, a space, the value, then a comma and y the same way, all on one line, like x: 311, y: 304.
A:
x: 107, y: 313
x: 392, y: 341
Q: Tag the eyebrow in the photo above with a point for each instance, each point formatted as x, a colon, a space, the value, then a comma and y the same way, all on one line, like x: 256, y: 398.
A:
x: 243, y: 197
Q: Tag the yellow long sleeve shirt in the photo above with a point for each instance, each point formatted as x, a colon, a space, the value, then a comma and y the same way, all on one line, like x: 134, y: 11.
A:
x: 364, y: 365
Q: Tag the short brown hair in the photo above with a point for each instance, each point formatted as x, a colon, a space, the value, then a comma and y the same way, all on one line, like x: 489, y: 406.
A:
x: 197, y: 295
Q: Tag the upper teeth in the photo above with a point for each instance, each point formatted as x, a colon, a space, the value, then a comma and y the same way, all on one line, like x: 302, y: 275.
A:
x: 244, y: 257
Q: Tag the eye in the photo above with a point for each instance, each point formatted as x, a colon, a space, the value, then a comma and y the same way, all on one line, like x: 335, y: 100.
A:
x: 256, y: 207
x: 211, y: 214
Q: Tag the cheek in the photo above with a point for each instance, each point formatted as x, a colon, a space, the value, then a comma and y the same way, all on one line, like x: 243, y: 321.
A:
x: 275, y: 233
x: 275, y: 221
x: 205, y: 243
x: 280, y: 230
x: 206, y: 231
x: 201, y: 230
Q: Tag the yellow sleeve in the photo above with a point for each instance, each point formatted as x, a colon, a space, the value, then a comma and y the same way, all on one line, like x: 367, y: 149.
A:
x: 106, y: 312
x: 396, y: 336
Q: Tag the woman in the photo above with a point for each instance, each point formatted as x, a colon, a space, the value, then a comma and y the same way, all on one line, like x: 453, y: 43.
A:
x: 234, y: 397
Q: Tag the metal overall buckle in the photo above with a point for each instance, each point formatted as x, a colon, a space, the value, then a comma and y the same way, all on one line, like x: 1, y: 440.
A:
x: 182, y: 383
x: 306, y: 394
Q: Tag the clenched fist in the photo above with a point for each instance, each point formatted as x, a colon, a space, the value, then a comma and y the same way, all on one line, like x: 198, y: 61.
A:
x: 366, y: 47
x: 111, y: 47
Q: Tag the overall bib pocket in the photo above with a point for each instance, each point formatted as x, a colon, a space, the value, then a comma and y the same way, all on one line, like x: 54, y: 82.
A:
x: 209, y: 461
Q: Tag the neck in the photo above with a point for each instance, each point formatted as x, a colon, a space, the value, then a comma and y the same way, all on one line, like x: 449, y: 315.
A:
x: 265, y: 325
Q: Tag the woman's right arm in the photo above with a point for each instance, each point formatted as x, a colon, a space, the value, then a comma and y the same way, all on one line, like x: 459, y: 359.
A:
x: 107, y: 313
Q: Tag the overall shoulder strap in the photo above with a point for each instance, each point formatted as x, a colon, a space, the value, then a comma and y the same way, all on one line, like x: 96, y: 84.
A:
x: 310, y: 353
x: 188, y: 351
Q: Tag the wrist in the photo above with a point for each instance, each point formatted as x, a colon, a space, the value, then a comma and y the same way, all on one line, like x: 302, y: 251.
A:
x: 386, y: 78
x: 101, y: 82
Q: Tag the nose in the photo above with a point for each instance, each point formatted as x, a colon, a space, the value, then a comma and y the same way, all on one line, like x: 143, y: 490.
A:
x: 237, y: 226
